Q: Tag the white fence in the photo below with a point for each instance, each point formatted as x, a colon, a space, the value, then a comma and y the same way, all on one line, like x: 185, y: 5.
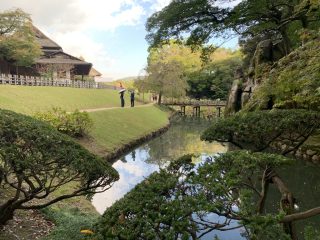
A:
x: 41, y: 81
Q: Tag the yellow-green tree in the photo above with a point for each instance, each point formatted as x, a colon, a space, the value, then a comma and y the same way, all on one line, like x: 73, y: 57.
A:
x: 166, y: 79
x: 168, y: 67
x: 17, y: 39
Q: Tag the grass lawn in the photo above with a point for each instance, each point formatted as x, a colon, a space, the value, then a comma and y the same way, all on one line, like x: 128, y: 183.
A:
x: 113, y: 128
x: 29, y: 100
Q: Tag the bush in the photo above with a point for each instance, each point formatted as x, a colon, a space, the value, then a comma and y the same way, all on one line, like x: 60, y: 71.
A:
x: 258, y: 130
x: 37, y: 160
x: 180, y: 202
x: 75, y: 124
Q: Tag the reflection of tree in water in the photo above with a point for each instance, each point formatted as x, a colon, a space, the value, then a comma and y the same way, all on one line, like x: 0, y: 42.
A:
x: 181, y: 139
x: 133, y: 155
x: 123, y: 159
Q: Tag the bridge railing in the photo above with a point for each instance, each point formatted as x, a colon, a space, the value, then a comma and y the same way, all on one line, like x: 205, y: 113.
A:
x: 193, y: 102
x: 58, y: 82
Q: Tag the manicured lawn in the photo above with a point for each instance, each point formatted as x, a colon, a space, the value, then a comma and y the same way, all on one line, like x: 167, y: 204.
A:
x: 29, y: 100
x: 113, y: 128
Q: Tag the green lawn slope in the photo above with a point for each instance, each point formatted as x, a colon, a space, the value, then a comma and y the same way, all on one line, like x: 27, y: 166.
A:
x: 112, y: 128
x: 29, y: 100
x: 117, y: 127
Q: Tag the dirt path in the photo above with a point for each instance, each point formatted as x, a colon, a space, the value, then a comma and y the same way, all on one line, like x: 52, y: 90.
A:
x: 111, y: 108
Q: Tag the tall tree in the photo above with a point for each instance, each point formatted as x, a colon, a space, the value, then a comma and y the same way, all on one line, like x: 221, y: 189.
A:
x: 166, y: 79
x: 168, y: 66
x: 17, y: 39
x: 200, y: 20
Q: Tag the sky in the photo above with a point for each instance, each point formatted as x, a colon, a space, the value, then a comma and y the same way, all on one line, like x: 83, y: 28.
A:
x: 108, y: 33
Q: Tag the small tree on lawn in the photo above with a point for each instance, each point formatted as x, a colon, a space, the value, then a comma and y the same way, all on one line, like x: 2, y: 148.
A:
x: 36, y: 160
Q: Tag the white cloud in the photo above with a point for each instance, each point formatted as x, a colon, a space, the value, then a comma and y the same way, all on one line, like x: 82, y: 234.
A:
x: 76, y: 15
x: 69, y: 23
x: 80, y: 44
x: 157, y: 5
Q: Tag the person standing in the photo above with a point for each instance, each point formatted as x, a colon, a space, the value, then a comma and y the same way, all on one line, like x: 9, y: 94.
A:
x: 132, y: 98
x: 122, y: 98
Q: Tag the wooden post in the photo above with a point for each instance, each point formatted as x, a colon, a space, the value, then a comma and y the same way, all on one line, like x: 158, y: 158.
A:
x: 183, y: 110
x: 219, y: 111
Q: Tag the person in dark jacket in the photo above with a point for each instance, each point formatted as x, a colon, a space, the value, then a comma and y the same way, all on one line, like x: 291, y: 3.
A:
x: 122, y: 98
x: 132, y: 98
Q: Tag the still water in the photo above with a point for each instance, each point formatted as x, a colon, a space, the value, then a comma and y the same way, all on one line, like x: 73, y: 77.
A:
x: 184, y: 138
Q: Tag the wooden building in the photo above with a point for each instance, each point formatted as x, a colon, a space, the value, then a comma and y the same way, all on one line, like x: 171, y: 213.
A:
x: 53, y: 63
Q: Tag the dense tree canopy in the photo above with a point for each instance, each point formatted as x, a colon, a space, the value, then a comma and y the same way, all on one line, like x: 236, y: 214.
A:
x: 215, y: 78
x: 17, y: 39
x: 200, y: 20
x: 176, y: 52
x: 257, y: 130
x: 36, y: 160
x: 210, y: 79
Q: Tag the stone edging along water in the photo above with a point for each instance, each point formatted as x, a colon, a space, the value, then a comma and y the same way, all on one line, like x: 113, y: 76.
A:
x: 305, y: 153
x: 126, y: 148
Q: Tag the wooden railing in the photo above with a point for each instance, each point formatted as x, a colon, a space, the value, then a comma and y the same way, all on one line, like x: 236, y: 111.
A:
x: 42, y: 81
x: 193, y: 102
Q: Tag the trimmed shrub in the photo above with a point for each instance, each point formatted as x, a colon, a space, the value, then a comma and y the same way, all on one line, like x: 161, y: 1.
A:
x: 36, y: 160
x: 75, y: 124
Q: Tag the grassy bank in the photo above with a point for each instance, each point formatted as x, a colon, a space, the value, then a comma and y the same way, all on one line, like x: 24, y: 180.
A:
x: 29, y: 100
x: 112, y: 129
x: 117, y: 127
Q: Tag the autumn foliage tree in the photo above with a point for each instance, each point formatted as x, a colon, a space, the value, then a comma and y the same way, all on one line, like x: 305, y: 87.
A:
x: 36, y: 160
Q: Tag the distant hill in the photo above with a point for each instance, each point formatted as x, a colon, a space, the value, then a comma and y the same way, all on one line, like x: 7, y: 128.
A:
x: 126, y: 79
x: 126, y: 82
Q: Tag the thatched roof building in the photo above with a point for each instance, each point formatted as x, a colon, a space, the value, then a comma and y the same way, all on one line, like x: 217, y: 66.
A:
x: 54, y: 61
x: 54, y: 55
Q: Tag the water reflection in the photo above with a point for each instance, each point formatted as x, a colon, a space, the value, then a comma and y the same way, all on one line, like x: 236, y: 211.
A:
x: 303, y: 179
x: 181, y: 139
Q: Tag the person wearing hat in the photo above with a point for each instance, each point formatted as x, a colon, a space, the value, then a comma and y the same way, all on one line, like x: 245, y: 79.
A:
x: 122, y: 97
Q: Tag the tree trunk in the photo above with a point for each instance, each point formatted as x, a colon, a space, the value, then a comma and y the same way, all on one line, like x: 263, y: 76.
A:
x: 6, y: 214
x: 159, y: 99
x: 286, y: 204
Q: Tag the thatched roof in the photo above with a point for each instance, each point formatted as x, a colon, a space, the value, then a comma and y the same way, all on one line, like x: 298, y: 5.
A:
x: 53, y: 54
x: 94, y: 73
x: 46, y: 43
